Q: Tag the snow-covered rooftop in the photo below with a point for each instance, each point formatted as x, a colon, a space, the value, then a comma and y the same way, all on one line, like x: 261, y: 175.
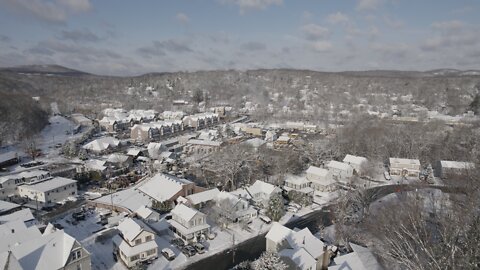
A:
x: 184, y: 212
x: 300, y: 257
x: 338, y: 165
x: 317, y: 171
x: 7, y: 206
x: 205, y: 143
x: 456, y: 164
x: 51, y: 184
x: 102, y: 144
x: 203, y: 196
x: 22, y: 215
x: 360, y: 259
x: 403, y: 161
x: 350, y: 159
x: 162, y: 187
x: 278, y: 232
x: 131, y: 228
x: 262, y: 187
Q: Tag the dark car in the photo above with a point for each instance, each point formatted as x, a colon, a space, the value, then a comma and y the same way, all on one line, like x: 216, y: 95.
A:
x: 199, y: 248
x: 189, y: 250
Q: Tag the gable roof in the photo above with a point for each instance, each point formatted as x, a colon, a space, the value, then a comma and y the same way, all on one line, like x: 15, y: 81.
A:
x: 354, y: 159
x: 317, y: 171
x: 7, y: 206
x: 162, y: 187
x: 131, y: 228
x: 305, y: 239
x: 360, y: 259
x: 203, y: 196
x: 22, y: 215
x: 144, y: 212
x: 184, y: 212
x: 9, y: 262
x: 278, y: 232
x: 402, y: 161
x: 457, y: 164
x: 300, y: 257
x: 262, y: 187
x: 102, y: 144
x: 46, y: 252
x: 338, y: 165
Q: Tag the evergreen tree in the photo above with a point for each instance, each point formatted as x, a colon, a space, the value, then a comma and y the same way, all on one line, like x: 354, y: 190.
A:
x: 269, y: 261
x: 275, y: 209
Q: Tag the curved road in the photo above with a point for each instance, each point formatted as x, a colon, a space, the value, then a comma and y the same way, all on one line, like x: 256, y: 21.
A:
x: 253, y: 247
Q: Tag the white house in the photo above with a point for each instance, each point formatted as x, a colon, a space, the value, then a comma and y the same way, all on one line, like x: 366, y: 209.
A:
x: 166, y: 188
x: 261, y: 192
x: 340, y: 171
x: 357, y: 163
x: 102, y: 145
x: 58, y: 249
x: 404, y: 167
x: 197, y: 200
x: 54, y: 190
x: 188, y: 224
x: 147, y: 214
x: 234, y: 208
x: 447, y: 168
x: 8, y: 184
x: 299, y: 249
x: 135, y: 243
x: 298, y: 183
x: 24, y: 215
x: 320, y: 178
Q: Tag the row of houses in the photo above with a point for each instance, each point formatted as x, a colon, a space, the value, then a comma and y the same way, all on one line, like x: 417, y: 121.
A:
x: 38, y: 186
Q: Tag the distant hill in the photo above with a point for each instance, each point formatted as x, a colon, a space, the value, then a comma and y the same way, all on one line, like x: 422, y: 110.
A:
x: 287, y: 93
x: 44, y: 69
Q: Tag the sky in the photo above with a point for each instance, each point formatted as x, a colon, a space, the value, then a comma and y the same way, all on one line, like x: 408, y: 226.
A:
x: 132, y: 37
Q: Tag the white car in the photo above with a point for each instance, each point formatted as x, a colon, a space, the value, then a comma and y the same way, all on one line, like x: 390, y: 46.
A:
x: 292, y: 209
x: 168, y: 254
x: 265, y: 219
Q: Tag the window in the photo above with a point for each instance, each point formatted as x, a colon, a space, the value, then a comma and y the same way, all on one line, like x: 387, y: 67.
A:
x: 79, y: 267
x: 134, y: 258
x: 148, y: 238
x: 138, y: 241
x: 76, y: 255
x: 151, y: 252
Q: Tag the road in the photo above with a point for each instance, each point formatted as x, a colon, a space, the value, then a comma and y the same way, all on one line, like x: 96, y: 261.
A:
x: 253, y: 248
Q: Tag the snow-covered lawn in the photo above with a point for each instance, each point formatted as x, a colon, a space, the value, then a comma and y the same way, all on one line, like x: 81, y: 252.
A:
x: 84, y: 228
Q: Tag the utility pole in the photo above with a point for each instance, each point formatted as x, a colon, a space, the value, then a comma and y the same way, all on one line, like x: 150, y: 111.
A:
x: 233, y: 247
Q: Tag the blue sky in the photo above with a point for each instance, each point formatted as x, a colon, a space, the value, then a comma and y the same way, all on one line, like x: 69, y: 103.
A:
x: 125, y: 37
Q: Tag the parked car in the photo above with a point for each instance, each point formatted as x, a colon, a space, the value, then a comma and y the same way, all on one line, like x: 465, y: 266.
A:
x: 189, y: 250
x: 178, y: 242
x: 295, y: 205
x: 199, y: 248
x: 292, y: 209
x: 265, y: 219
x: 168, y: 254
x: 211, y: 236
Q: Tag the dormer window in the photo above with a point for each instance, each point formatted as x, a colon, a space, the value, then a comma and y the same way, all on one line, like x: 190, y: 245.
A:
x: 138, y: 241
x: 77, y: 254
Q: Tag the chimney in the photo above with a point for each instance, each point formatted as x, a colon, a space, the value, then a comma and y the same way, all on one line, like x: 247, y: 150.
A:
x: 325, y: 258
x: 13, y: 230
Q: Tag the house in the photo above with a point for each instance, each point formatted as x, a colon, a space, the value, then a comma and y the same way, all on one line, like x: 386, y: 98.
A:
x: 299, y: 249
x: 155, y: 149
x: 174, y: 115
x: 340, y: 171
x: 54, y: 190
x: 360, y: 259
x: 8, y: 207
x: 165, y: 188
x: 198, y: 200
x: 8, y: 184
x: 154, y: 131
x: 200, y: 120
x: 24, y: 215
x: 93, y: 165
x: 298, y: 183
x: 147, y: 214
x: 188, y: 224
x: 320, y: 178
x: 81, y: 120
x: 357, y: 163
x: 260, y: 192
x: 202, y: 147
x: 233, y: 208
x: 119, y: 161
x: 55, y: 249
x: 136, y: 242
x: 102, y: 145
x: 446, y: 168
x: 8, y: 159
x: 404, y: 167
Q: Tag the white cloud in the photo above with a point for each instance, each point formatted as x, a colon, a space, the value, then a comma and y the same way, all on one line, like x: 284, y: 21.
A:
x: 337, y: 18
x: 50, y: 11
x: 245, y: 5
x: 315, y: 32
x: 182, y: 18
x: 448, y: 26
x: 368, y: 5
x: 322, y: 46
